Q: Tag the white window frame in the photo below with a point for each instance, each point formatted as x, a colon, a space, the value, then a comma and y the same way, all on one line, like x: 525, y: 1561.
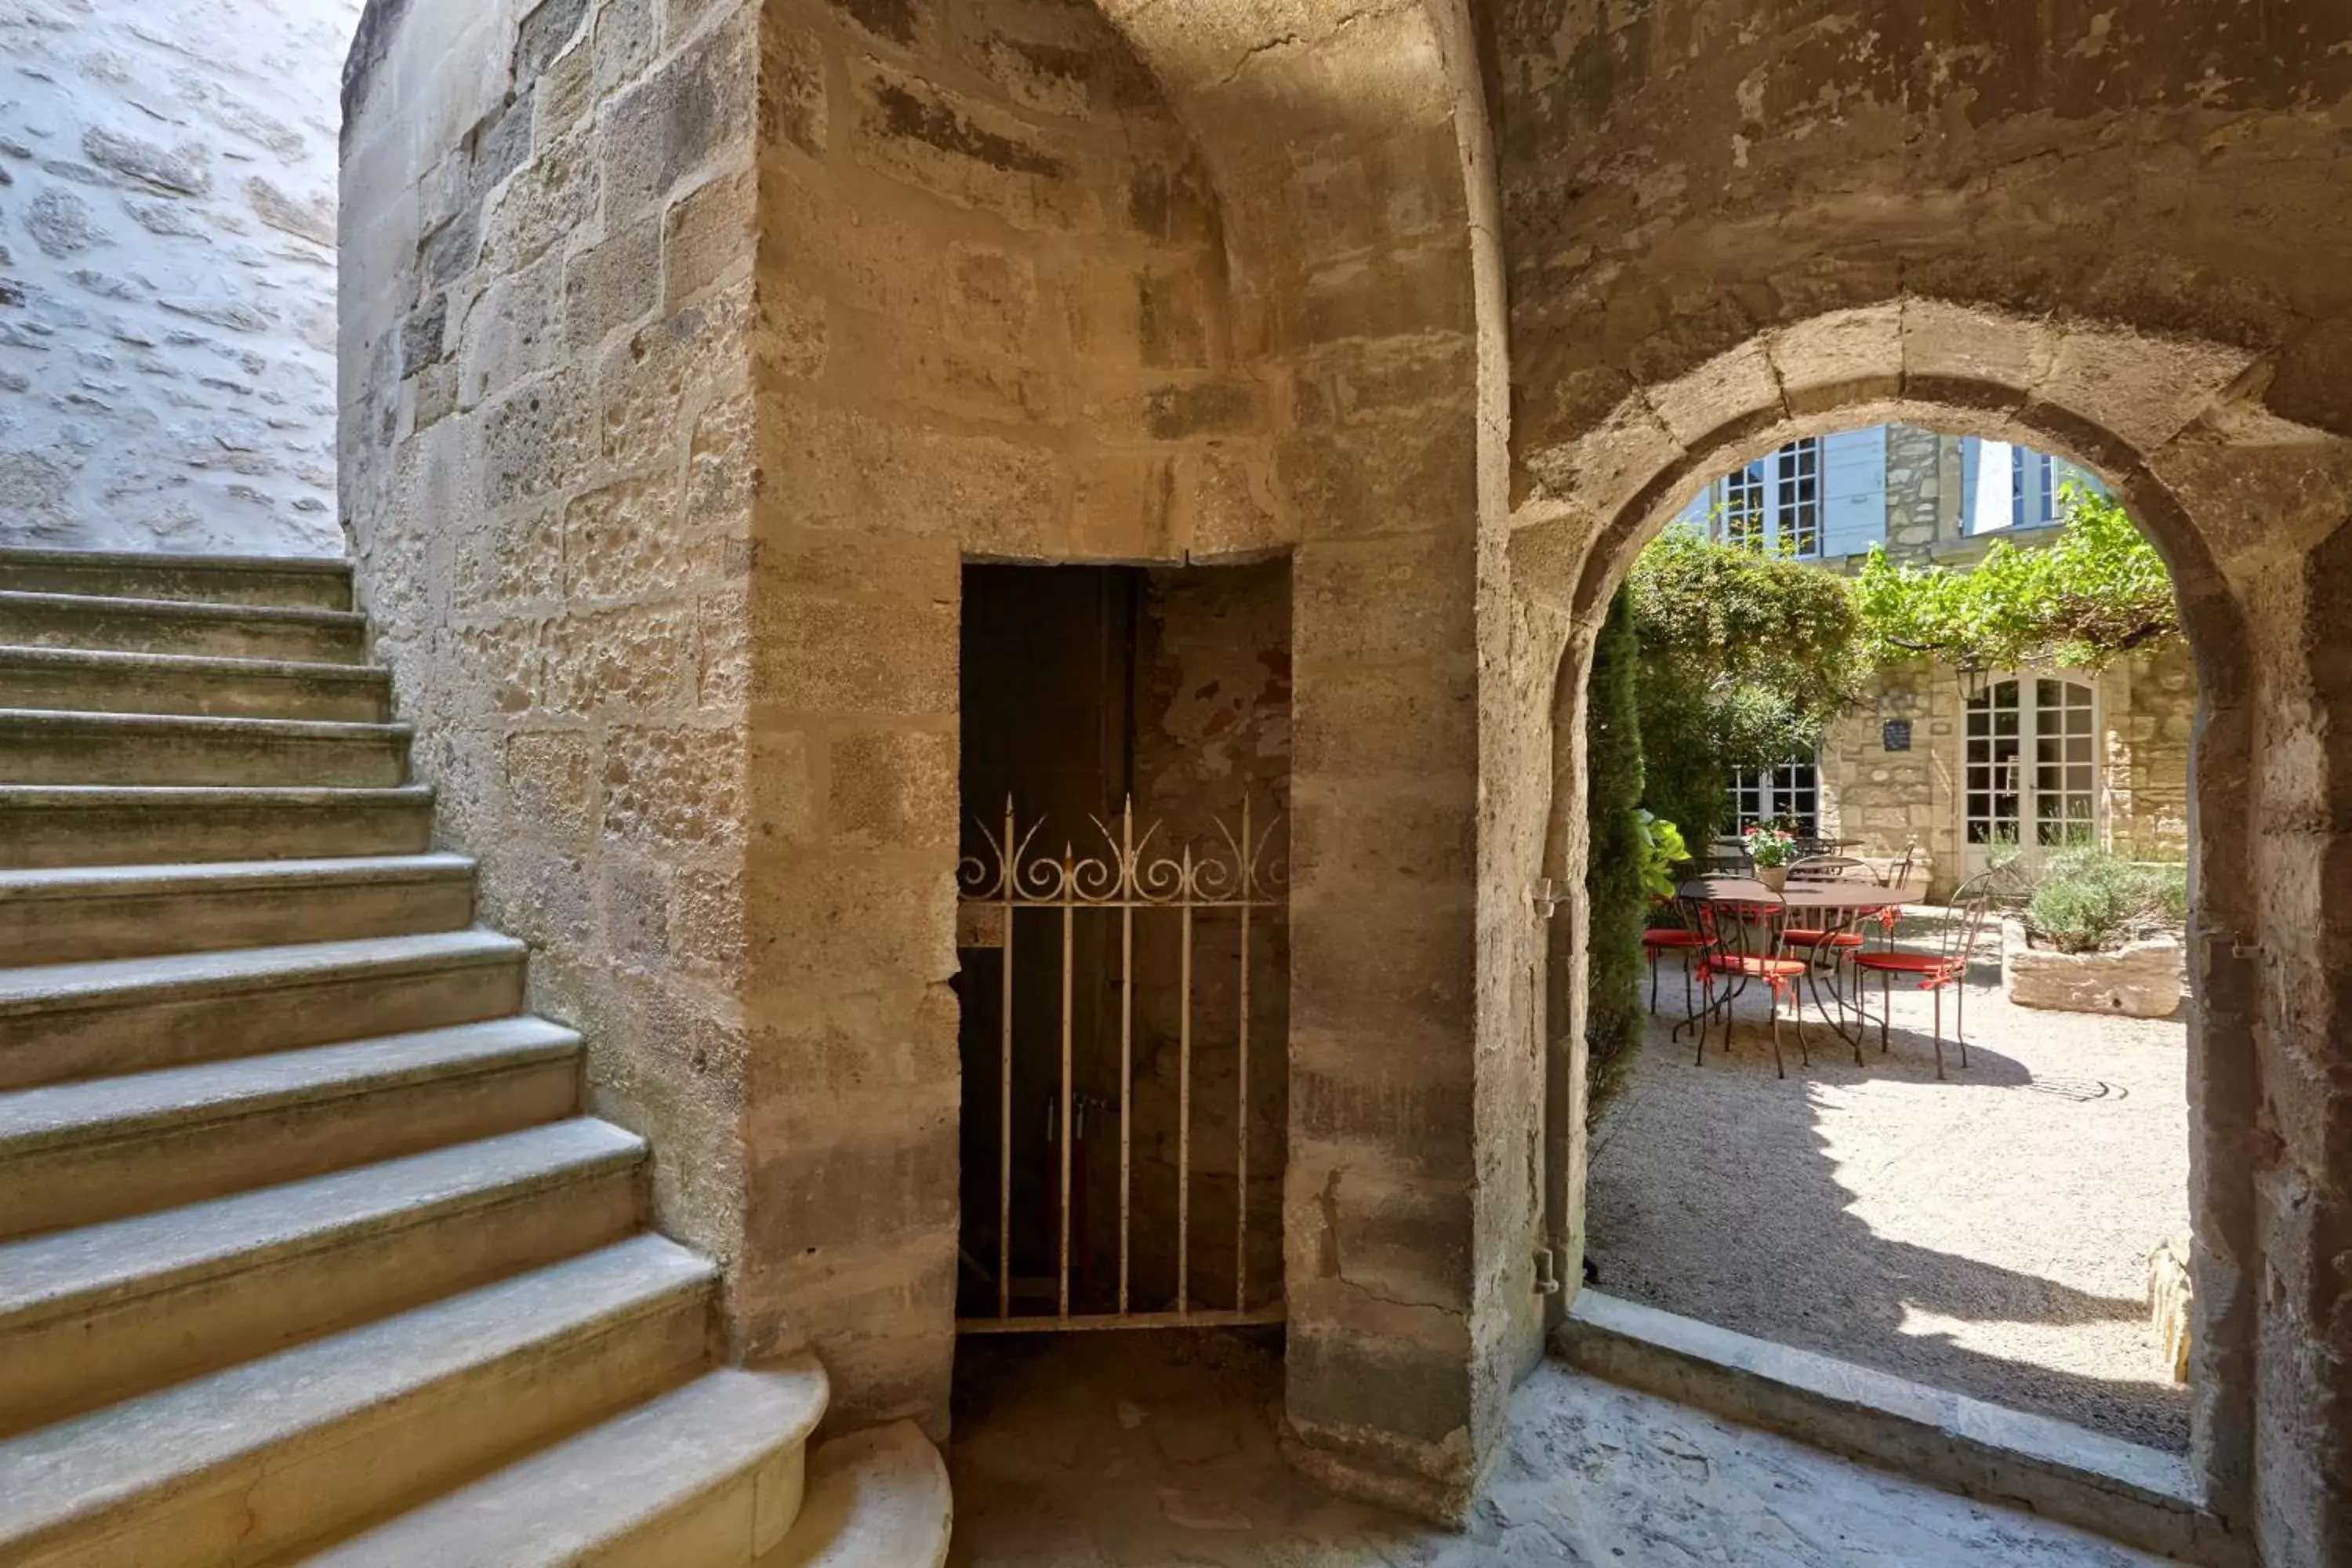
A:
x: 2055, y: 756
x: 1745, y: 517
x: 1797, y: 499
x: 1774, y: 503
x: 1774, y: 792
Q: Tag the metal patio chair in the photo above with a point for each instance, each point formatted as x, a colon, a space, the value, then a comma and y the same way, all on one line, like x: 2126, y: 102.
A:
x: 1946, y: 967
x: 1742, y: 921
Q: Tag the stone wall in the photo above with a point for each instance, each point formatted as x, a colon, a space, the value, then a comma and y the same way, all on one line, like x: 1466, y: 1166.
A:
x: 691, y: 357
x: 547, y: 470
x: 2107, y: 234
x: 1897, y: 801
x: 1919, y: 513
x: 167, y: 274
x: 2148, y: 765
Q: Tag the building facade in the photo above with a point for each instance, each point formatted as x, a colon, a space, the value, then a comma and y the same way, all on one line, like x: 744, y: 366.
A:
x: 1947, y: 766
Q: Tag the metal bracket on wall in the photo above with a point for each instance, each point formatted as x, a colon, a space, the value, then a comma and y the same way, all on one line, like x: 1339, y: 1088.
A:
x: 1545, y: 896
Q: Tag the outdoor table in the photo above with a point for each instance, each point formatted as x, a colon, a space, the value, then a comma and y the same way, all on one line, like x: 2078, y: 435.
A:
x: 1830, y: 905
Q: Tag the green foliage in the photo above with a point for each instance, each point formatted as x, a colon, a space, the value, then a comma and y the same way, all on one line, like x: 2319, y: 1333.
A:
x: 2096, y: 592
x: 1662, y: 850
x: 2087, y: 900
x: 1745, y: 659
x: 1614, y: 867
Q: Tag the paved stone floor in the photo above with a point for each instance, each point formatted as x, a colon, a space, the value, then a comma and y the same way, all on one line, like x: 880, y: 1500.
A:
x: 1145, y: 1450
x: 1988, y: 1233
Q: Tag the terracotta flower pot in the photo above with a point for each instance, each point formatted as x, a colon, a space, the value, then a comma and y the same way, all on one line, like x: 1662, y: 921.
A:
x: 1773, y: 877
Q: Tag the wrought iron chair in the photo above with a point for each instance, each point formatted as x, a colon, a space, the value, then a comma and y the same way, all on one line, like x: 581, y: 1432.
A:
x: 1946, y: 967
x: 1837, y: 943
x: 1742, y: 921
x: 1683, y: 937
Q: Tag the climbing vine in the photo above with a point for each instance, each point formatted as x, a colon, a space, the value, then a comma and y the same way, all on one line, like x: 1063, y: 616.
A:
x: 1745, y: 659
x: 2095, y: 593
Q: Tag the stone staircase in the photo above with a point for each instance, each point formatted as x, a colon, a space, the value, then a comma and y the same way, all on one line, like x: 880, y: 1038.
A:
x: 307, y: 1249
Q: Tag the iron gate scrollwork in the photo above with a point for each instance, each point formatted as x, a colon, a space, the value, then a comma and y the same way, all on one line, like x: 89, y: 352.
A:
x: 1137, y: 876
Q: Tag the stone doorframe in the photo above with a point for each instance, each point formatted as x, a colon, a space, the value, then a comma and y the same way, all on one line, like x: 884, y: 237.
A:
x: 2245, y: 507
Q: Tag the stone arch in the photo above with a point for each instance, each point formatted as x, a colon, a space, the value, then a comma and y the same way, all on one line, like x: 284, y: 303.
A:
x: 2179, y: 428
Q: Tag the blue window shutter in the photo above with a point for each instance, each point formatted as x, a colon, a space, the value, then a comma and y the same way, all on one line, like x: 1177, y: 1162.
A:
x: 1854, y: 491
x: 1971, y: 454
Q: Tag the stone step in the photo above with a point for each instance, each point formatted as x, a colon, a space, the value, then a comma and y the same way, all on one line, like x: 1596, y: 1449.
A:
x: 285, y: 1453
x: 57, y: 747
x: 99, y: 1149
x: 46, y: 825
x: 63, y: 914
x: 64, y: 1021
x: 170, y: 625
x: 293, y: 581
x: 96, y: 681
x: 877, y: 1498
x: 102, y: 1312
x: 709, y: 1475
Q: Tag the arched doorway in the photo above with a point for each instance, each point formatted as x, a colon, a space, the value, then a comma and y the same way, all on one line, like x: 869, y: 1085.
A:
x: 2226, y: 909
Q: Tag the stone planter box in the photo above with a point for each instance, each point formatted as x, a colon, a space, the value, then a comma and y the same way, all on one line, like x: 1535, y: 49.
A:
x: 2138, y: 980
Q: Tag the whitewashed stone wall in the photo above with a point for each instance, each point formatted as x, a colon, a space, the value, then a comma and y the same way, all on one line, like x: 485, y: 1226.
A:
x: 167, y: 273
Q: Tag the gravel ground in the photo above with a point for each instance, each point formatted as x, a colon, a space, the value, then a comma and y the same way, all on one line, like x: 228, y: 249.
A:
x: 1150, y: 1450
x: 1987, y: 1235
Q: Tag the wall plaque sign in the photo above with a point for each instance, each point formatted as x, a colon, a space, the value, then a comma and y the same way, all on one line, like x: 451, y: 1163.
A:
x: 1895, y: 734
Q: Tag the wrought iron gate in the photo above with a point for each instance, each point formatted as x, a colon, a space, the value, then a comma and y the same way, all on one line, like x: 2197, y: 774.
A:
x: 1138, y: 880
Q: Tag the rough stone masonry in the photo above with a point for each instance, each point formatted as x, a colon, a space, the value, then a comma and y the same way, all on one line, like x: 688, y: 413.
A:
x: 167, y: 274
x: 690, y: 346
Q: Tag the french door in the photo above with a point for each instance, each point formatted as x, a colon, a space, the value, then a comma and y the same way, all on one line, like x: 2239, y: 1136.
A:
x: 2031, y: 780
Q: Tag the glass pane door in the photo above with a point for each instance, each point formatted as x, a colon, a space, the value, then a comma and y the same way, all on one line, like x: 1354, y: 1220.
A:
x: 2066, y: 781
x: 2029, y: 781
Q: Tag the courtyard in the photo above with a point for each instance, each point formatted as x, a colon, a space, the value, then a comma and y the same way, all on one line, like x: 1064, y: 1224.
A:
x: 1988, y: 1233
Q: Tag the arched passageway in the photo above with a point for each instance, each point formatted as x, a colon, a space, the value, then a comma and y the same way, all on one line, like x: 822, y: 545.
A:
x: 1832, y: 220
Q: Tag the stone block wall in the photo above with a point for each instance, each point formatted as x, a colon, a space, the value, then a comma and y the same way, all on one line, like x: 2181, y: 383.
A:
x: 167, y: 274
x: 1921, y: 505
x: 547, y: 437
x: 693, y: 350
x: 2147, y: 761
x: 1894, y: 801
x: 992, y: 326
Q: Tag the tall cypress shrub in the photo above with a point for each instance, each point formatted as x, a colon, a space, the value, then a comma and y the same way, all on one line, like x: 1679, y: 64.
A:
x: 1613, y: 873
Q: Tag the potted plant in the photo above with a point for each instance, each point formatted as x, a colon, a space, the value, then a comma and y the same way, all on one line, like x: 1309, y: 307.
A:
x: 2098, y: 933
x: 1771, y: 847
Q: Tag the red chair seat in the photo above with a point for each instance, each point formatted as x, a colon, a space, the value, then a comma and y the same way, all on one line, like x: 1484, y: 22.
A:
x: 1671, y: 938
x: 1804, y: 936
x: 1927, y: 964
x: 1906, y: 962
x: 1761, y: 968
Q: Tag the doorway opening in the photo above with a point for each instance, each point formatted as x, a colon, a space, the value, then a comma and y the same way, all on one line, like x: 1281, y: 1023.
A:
x: 2031, y: 788
x: 1123, y: 945
x: 1998, y: 1232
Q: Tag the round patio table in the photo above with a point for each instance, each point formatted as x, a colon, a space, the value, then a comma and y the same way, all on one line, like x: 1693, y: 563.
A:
x: 1829, y: 906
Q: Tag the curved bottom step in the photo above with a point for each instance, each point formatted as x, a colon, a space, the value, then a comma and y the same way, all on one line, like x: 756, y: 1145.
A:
x: 877, y: 1498
x: 709, y: 1475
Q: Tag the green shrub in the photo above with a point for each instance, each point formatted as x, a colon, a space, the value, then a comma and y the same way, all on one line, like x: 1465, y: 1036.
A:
x: 1662, y: 852
x: 2088, y: 899
x: 1616, y: 864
